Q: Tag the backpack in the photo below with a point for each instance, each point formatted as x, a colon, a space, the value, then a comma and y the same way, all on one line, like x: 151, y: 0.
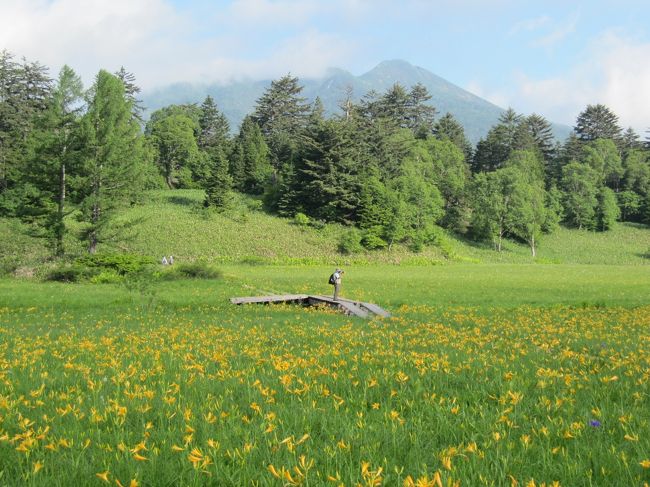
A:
x: 332, y: 279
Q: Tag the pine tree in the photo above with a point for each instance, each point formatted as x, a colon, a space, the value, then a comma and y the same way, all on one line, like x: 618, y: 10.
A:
x: 507, y: 135
x: 281, y: 113
x: 213, y: 125
x: 25, y: 89
x: 53, y: 153
x: 219, y: 185
x: 541, y: 133
x: 250, y: 166
x: 598, y: 122
x: 448, y: 128
x: 131, y: 90
x: 112, y: 169
x: 421, y: 115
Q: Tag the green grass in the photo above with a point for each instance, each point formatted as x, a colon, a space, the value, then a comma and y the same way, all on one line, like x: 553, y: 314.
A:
x: 174, y: 222
x: 484, y: 374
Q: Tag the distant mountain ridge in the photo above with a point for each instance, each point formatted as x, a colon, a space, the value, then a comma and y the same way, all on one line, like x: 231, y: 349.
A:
x: 237, y: 99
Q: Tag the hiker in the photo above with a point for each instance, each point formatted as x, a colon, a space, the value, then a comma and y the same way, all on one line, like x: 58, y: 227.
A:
x: 164, y: 260
x: 171, y: 260
x: 335, y: 280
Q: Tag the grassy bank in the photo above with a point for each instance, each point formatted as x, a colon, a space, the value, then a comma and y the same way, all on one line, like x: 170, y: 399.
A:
x: 174, y: 222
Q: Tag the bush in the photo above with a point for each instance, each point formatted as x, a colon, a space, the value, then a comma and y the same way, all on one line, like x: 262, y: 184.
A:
x: 371, y: 241
x: 121, y: 264
x: 68, y: 273
x: 350, y: 242
x: 195, y: 270
x: 107, y: 277
x: 301, y: 219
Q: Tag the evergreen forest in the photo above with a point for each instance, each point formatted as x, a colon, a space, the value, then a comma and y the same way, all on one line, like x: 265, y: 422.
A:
x: 389, y: 167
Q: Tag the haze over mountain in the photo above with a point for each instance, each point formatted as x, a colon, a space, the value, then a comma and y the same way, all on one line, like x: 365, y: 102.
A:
x: 238, y: 98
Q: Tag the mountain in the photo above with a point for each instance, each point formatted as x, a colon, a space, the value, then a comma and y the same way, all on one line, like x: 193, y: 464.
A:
x: 237, y: 99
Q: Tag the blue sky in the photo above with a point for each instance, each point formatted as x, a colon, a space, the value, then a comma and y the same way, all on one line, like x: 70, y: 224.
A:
x: 551, y: 57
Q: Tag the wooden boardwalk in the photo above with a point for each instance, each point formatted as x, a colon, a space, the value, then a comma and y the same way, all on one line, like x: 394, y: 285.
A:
x: 347, y: 306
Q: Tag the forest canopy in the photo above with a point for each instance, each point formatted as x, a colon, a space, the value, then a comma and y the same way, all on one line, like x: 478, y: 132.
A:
x: 388, y: 166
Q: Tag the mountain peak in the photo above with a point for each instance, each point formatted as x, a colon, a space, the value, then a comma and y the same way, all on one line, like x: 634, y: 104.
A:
x: 238, y: 99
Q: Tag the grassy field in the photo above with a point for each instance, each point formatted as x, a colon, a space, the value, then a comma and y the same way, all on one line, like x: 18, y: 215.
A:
x: 174, y: 222
x: 485, y: 375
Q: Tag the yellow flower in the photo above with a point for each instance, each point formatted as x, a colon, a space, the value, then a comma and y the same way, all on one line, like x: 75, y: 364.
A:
x: 139, y: 457
x: 37, y: 466
x: 645, y: 463
x: 103, y: 476
x: 274, y: 472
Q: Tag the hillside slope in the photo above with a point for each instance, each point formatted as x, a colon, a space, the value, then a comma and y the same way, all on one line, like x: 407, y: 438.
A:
x: 174, y: 222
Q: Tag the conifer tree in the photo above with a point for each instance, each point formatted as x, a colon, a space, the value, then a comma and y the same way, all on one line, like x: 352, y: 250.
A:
x: 131, y: 91
x: 281, y: 114
x: 213, y: 125
x: 448, y: 128
x: 25, y: 89
x: 597, y: 122
x: 219, y: 184
x: 250, y: 166
x: 112, y: 165
x: 53, y: 153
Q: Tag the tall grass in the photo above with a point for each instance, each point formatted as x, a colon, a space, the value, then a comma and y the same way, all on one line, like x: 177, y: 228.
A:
x: 98, y: 386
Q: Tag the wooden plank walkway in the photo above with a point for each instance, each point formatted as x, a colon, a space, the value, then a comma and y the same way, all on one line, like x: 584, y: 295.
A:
x: 349, y: 307
x: 275, y: 298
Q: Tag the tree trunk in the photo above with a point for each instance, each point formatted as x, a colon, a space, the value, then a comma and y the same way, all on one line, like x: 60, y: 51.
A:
x: 61, y: 210
x: 92, y: 236
x: 532, y: 246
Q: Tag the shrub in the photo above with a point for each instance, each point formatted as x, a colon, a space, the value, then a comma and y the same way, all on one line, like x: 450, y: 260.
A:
x: 194, y: 270
x: 121, y: 264
x: 68, y: 273
x: 301, y: 220
x: 350, y: 242
x: 107, y: 277
x: 372, y: 241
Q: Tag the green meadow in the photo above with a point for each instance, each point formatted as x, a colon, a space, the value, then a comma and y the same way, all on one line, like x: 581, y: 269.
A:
x: 494, y: 368
x: 486, y: 374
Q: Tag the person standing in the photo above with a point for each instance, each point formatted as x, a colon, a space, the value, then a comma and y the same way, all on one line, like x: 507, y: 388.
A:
x: 335, y: 279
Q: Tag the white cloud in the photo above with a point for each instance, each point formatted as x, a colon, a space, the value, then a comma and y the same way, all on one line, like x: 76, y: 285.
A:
x: 615, y: 73
x: 88, y: 35
x: 162, y: 45
x: 306, y: 55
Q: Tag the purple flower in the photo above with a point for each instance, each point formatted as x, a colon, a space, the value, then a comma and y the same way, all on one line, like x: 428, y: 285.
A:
x: 595, y: 423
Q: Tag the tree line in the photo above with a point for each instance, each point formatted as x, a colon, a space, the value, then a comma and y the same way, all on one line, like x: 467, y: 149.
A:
x: 388, y: 165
